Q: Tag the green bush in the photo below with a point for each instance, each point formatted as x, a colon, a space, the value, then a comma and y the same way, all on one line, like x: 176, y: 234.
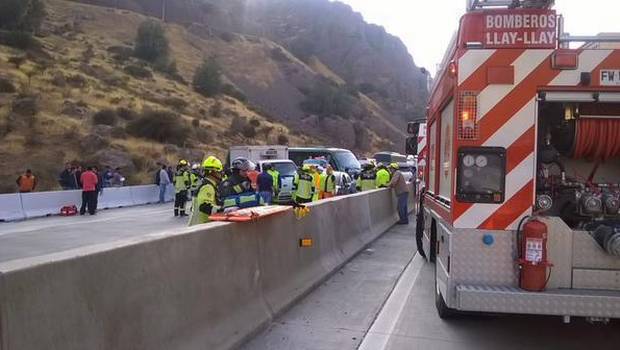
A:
x: 18, y: 39
x: 126, y: 113
x: 208, y: 79
x: 326, y: 99
x: 21, y: 15
x: 138, y: 72
x: 282, y: 140
x: 232, y: 91
x: 6, y: 87
x: 151, y: 42
x: 105, y: 117
x: 160, y: 126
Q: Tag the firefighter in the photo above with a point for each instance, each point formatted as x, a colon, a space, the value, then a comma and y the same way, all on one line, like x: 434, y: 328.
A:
x: 237, y: 190
x: 275, y: 174
x: 367, y: 179
x: 383, y: 176
x: 328, y: 183
x: 195, y: 179
x: 207, y: 201
x: 316, y: 180
x: 303, y: 185
x: 181, y: 185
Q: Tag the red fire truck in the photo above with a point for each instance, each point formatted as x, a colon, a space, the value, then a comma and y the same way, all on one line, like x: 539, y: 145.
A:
x: 522, y: 178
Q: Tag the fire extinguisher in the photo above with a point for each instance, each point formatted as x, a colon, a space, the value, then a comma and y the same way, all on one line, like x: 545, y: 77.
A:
x: 533, y: 261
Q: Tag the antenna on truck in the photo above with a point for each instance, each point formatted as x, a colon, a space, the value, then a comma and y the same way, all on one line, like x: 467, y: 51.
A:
x: 473, y: 5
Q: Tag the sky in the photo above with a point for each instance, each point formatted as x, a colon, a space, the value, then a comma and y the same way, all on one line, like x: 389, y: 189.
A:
x: 426, y: 27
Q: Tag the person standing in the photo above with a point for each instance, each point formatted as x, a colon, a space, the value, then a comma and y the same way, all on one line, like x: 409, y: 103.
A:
x: 303, y: 185
x: 26, y: 182
x: 383, y: 176
x: 277, y: 180
x: 181, y: 186
x: 77, y: 174
x: 399, y: 184
x: 328, y: 183
x: 89, y: 182
x: 208, y: 200
x: 163, y: 183
x: 367, y: 179
x: 264, y: 181
x: 65, y: 179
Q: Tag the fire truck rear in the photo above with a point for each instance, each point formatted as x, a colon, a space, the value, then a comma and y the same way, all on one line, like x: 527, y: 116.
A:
x: 521, y: 209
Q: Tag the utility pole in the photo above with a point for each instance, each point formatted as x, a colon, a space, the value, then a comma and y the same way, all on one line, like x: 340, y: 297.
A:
x: 163, y: 10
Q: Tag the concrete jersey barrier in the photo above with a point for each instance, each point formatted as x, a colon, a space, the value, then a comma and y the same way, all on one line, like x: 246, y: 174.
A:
x: 11, y: 207
x: 206, y: 287
x: 18, y: 206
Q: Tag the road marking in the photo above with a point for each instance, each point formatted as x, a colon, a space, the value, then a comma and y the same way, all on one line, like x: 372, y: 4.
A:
x: 382, y: 328
x: 38, y: 224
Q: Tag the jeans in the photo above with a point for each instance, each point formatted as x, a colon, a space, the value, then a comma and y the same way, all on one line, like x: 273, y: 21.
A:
x: 267, y: 197
x: 162, y: 193
x: 403, y: 212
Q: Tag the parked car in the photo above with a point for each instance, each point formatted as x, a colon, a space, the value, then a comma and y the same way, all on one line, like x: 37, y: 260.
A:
x: 345, y: 164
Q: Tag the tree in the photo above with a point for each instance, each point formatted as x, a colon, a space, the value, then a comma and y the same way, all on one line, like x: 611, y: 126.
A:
x: 151, y: 42
x: 21, y: 15
x: 208, y: 78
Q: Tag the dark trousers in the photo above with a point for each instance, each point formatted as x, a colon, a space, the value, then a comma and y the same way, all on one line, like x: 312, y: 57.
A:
x: 403, y: 212
x: 89, y: 200
x: 179, y: 203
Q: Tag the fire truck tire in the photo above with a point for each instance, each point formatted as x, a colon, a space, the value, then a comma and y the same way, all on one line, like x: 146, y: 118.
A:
x: 444, y: 312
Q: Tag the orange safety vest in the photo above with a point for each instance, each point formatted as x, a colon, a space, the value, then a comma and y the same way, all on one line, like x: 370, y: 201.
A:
x: 26, y: 183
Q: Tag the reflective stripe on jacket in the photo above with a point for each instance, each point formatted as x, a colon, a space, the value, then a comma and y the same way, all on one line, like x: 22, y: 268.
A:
x: 304, y: 184
x: 207, y: 198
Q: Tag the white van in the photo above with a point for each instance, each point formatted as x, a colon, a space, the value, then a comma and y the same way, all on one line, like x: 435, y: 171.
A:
x: 287, y: 170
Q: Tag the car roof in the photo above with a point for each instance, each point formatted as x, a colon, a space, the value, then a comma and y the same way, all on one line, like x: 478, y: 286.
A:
x: 264, y: 161
x: 315, y: 149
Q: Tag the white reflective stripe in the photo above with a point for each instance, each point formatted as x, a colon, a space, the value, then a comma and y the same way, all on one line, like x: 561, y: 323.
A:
x: 471, y: 61
x: 588, y: 60
x: 524, y: 65
x: 515, y: 181
x: 515, y: 127
x: 515, y: 224
x: 421, y: 143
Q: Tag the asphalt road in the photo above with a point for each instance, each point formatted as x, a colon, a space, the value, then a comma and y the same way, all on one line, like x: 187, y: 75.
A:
x: 384, y: 299
x: 43, y: 236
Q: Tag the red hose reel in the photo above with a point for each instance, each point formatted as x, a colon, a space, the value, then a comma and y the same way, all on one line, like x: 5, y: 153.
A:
x: 597, y: 139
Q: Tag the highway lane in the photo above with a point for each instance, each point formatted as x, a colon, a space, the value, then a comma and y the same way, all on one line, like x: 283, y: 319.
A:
x: 43, y: 236
x: 385, y: 300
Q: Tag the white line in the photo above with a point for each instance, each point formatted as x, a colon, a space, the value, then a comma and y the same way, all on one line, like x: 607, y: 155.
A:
x: 379, y: 333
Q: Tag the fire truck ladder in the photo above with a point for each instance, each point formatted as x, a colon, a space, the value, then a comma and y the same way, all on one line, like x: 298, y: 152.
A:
x: 473, y: 5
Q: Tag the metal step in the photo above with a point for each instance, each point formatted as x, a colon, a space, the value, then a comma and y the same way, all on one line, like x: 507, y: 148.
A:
x: 561, y: 302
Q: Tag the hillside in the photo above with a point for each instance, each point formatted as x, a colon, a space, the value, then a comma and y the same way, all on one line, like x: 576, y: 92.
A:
x: 84, y: 66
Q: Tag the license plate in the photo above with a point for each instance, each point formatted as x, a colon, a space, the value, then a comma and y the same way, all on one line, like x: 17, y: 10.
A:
x: 610, y: 77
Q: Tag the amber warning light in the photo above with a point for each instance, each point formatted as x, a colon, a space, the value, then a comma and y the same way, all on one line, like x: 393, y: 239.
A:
x: 305, y: 243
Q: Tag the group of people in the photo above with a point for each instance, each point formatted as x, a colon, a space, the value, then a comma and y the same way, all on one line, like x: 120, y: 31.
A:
x: 382, y: 176
x: 213, y: 189
x: 71, y: 177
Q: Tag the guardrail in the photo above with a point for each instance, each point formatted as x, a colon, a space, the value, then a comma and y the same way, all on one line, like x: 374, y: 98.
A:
x: 20, y: 206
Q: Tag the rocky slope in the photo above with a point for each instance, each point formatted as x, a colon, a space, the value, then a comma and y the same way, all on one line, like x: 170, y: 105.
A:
x: 346, y: 91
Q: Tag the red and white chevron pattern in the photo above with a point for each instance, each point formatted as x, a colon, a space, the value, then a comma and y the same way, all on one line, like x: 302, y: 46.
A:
x: 507, y: 118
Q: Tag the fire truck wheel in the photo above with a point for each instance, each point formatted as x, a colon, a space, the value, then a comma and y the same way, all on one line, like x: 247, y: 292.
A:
x: 443, y: 310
